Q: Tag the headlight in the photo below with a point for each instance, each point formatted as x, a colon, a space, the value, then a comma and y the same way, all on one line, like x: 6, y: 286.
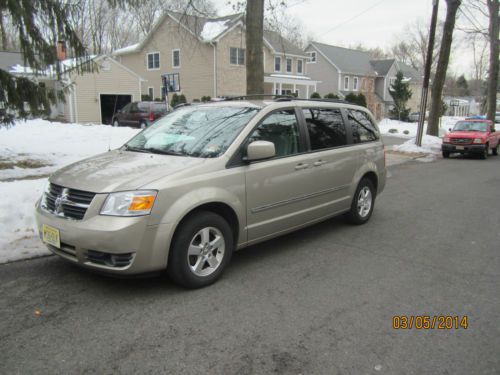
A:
x: 446, y: 140
x: 46, y: 190
x: 477, y: 140
x: 129, y: 203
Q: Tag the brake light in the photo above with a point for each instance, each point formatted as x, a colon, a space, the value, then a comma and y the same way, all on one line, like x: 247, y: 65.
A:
x: 151, y: 116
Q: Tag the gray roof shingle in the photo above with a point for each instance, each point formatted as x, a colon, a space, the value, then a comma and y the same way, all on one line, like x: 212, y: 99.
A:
x: 382, y: 67
x: 346, y: 59
x: 282, y: 45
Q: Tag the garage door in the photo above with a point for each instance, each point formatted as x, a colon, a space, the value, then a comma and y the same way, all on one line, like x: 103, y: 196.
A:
x: 111, y: 103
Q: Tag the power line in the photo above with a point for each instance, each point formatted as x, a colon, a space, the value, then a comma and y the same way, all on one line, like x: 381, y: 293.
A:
x: 352, y: 18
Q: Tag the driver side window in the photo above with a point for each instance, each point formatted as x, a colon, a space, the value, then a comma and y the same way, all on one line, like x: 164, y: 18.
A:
x: 280, y: 128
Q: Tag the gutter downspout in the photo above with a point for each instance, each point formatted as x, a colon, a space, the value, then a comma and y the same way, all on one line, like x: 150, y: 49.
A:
x: 214, y: 44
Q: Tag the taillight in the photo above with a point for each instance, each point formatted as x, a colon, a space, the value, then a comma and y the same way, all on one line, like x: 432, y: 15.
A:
x: 151, y: 116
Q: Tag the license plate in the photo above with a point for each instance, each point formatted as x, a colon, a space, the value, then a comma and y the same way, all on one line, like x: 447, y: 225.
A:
x: 460, y: 147
x: 51, y: 236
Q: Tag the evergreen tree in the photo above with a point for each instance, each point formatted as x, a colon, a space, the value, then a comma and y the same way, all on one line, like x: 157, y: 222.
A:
x: 462, y: 86
x: 401, y: 93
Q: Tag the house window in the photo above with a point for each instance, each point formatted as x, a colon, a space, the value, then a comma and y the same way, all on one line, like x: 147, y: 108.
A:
x: 236, y: 56
x: 346, y: 83
x: 355, y: 83
x: 392, y: 81
x: 299, y: 66
x: 176, y: 58
x: 277, y: 64
x: 153, y: 60
x: 289, y: 65
x: 312, y: 57
x: 151, y: 93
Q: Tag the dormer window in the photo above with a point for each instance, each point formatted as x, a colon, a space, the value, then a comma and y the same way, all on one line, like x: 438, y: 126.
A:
x: 312, y: 57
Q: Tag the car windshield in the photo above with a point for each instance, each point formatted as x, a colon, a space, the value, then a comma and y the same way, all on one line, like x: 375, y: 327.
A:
x: 201, y: 131
x: 473, y: 126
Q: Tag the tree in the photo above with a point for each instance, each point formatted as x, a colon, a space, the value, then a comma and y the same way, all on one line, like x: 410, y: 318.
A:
x: 254, y: 36
x: 442, y: 66
x: 401, y: 93
x: 493, y: 7
x: 462, y: 86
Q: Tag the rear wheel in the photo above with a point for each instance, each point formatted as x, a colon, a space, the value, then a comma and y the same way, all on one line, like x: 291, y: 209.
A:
x: 495, y: 150
x: 201, y: 249
x: 446, y: 154
x: 143, y: 124
x: 116, y: 123
x: 362, y: 203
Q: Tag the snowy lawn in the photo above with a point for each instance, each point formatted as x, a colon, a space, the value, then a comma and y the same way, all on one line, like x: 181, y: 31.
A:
x: 31, y: 150
x: 386, y: 125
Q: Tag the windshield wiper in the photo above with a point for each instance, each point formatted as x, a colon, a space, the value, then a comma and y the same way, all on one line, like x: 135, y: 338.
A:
x: 165, y: 152
x: 136, y: 149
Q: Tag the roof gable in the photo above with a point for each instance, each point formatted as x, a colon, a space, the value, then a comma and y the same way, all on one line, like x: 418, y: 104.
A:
x: 346, y: 60
x: 278, y: 44
x: 382, y: 67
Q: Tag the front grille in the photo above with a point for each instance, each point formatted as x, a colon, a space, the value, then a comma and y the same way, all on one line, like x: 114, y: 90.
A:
x: 68, y: 250
x: 461, y: 141
x: 65, y: 202
x: 110, y: 260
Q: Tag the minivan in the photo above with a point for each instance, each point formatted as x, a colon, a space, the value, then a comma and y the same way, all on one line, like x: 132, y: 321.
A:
x: 207, y: 180
x: 139, y: 114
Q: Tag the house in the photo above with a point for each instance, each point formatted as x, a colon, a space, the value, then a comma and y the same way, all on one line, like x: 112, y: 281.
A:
x: 9, y: 59
x: 207, y: 57
x: 343, y: 70
x: 89, y: 97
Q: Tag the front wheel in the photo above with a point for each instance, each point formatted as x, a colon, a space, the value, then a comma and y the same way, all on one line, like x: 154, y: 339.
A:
x: 142, y: 125
x: 446, y: 154
x: 485, y: 153
x: 201, y: 249
x: 495, y: 150
x: 116, y: 123
x: 362, y: 203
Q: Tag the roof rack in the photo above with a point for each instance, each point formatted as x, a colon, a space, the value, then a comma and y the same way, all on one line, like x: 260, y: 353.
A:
x: 275, y: 97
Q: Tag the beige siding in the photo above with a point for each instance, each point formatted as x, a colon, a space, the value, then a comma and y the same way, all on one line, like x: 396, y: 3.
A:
x: 197, y: 61
x: 231, y: 79
x: 89, y: 86
x: 325, y: 72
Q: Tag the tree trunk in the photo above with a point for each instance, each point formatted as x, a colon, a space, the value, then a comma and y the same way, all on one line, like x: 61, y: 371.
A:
x: 493, y: 6
x: 442, y: 67
x: 2, y: 31
x: 255, y: 44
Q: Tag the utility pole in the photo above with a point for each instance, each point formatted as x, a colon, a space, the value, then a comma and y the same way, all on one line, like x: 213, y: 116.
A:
x: 427, y: 73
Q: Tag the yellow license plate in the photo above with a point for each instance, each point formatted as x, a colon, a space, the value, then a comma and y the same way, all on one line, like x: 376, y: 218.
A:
x: 51, y: 236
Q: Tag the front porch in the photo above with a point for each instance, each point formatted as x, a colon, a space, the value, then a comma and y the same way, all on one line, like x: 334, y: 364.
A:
x: 283, y: 84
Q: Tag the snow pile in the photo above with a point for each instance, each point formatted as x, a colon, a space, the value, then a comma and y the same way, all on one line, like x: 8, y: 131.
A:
x: 126, y: 49
x: 212, y: 29
x: 430, y: 145
x: 386, y: 124
x: 52, y: 143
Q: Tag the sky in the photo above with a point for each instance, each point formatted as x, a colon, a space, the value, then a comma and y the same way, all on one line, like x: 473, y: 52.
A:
x: 374, y: 23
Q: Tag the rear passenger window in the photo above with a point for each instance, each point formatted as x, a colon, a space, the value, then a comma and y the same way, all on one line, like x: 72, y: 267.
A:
x: 280, y: 128
x: 363, y: 130
x: 326, y: 128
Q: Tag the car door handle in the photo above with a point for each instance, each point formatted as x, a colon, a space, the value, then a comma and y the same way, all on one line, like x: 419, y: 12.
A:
x: 319, y: 162
x: 301, y: 166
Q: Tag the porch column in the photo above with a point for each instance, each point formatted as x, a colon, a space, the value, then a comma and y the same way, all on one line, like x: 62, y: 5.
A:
x: 274, y: 88
x: 307, y: 92
x: 294, y: 88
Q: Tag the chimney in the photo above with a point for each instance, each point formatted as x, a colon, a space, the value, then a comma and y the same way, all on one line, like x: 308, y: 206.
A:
x: 61, y: 50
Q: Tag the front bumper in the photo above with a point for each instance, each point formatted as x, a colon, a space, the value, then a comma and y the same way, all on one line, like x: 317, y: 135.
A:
x: 463, y: 149
x: 117, y: 245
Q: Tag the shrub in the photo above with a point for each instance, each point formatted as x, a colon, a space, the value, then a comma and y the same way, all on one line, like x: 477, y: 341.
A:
x: 392, y: 131
x: 331, y: 95
x: 315, y: 95
x: 406, y: 132
x: 206, y: 98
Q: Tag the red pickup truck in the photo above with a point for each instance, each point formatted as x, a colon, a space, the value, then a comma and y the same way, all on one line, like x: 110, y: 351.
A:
x: 471, y: 136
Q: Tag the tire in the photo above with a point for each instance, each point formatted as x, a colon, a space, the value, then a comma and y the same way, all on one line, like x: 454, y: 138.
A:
x: 365, y: 192
x: 192, y: 264
x: 485, y: 153
x: 143, y: 125
x: 446, y: 154
x: 116, y: 123
x: 495, y: 150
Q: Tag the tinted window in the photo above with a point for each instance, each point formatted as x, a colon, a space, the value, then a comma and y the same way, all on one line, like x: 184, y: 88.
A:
x: 144, y: 106
x: 363, y: 130
x: 326, y: 128
x: 280, y: 128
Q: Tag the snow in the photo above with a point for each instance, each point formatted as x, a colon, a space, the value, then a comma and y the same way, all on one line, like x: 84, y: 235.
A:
x: 305, y: 78
x: 386, y: 124
x: 52, y: 143
x: 127, y: 49
x: 212, y: 29
x: 430, y: 145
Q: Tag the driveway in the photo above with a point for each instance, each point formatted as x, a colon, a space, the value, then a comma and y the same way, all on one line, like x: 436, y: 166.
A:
x: 318, y: 301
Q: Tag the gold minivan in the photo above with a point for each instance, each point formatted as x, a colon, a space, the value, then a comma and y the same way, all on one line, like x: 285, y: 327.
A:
x: 209, y: 179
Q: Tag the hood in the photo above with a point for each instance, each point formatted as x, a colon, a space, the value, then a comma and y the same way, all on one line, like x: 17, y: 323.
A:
x: 120, y: 170
x: 465, y: 134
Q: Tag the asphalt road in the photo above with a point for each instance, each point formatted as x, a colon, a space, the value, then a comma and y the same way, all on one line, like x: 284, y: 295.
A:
x: 319, y: 301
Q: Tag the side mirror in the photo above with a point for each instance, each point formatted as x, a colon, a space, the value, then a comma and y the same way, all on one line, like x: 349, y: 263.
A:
x: 259, y: 150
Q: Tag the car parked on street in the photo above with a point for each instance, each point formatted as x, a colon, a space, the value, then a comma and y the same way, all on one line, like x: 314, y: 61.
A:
x: 471, y: 137
x: 212, y: 178
x: 140, y: 114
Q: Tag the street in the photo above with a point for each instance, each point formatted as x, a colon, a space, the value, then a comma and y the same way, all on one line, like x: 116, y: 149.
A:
x: 318, y: 301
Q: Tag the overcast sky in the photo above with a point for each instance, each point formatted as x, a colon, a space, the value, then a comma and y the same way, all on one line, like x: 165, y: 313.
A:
x: 374, y: 23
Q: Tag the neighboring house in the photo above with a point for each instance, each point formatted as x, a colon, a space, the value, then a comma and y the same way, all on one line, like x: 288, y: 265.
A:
x: 343, y: 70
x: 462, y: 106
x: 209, y: 56
x: 9, y: 59
x: 93, y: 96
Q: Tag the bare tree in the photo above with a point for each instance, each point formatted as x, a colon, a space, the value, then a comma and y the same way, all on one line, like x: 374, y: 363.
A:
x: 493, y: 6
x: 255, y: 43
x: 442, y: 66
